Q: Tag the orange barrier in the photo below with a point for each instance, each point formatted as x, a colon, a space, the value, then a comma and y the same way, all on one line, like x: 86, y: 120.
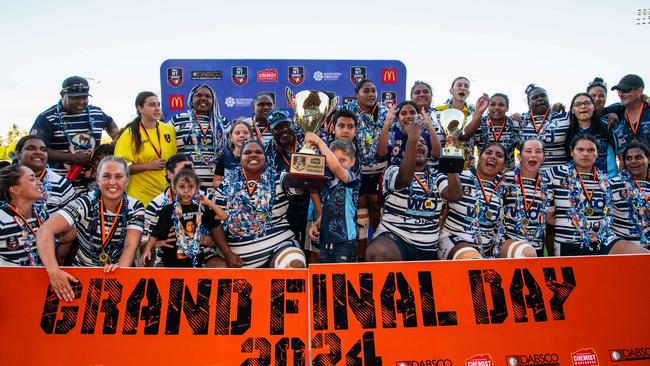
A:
x: 552, y: 311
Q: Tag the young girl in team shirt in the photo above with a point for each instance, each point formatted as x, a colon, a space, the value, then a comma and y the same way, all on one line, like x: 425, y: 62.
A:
x: 526, y: 204
x: 21, y: 216
x: 631, y: 190
x: 231, y: 159
x: 584, y: 205
x: 108, y: 224
x: 414, y: 193
x: 181, y: 220
x: 471, y: 229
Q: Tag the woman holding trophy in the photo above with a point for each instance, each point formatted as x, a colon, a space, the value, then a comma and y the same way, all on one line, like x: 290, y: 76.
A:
x: 472, y: 229
x: 414, y: 194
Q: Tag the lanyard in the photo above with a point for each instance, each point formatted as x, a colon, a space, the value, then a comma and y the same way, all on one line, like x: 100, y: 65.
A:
x: 158, y: 149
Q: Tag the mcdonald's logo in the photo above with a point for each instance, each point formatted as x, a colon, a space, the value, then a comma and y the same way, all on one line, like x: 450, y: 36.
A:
x: 176, y: 102
x: 389, y: 75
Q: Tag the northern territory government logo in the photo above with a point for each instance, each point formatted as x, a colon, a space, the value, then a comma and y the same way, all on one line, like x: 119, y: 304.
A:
x: 296, y: 75
x: 239, y: 75
x: 175, y: 76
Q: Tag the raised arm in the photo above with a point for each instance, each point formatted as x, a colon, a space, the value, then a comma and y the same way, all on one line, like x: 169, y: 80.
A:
x: 59, y: 279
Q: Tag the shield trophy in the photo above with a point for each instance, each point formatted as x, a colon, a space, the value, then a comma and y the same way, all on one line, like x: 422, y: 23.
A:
x: 311, y: 107
x: 452, y: 123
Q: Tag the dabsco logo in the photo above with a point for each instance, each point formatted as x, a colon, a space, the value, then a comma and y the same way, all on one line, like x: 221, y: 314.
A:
x: 538, y: 359
x: 629, y: 354
x: 439, y: 362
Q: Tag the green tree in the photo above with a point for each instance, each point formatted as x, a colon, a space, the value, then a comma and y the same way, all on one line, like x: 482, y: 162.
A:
x: 8, y: 142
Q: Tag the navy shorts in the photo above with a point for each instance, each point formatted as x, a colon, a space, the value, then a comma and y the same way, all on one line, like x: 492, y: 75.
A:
x: 343, y: 252
x: 409, y: 251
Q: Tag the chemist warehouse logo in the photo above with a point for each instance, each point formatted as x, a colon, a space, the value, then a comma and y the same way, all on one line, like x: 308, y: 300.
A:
x: 537, y: 359
x: 480, y: 360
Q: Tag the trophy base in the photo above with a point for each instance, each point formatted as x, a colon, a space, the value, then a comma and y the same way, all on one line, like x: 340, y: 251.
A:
x: 305, y: 181
x: 307, y: 171
x: 451, y: 164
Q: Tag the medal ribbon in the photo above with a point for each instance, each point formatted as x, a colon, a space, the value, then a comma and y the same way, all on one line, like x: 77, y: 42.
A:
x: 503, y: 127
x: 250, y: 190
x: 646, y: 199
x: 14, y: 210
x: 40, y: 177
x: 634, y: 128
x: 424, y: 185
x: 295, y: 146
x: 582, y: 182
x: 257, y: 131
x: 480, y: 182
x: 523, y: 192
x: 158, y: 150
x: 532, y: 118
x: 198, y: 122
x: 106, y: 237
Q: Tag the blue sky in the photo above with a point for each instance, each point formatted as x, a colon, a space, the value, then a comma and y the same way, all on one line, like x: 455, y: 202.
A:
x: 500, y: 45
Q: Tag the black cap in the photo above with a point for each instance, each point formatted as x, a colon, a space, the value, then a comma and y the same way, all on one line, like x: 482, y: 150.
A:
x: 278, y: 116
x: 75, y: 86
x: 629, y: 82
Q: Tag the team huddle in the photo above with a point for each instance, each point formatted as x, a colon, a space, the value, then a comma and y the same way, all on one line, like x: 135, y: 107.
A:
x: 202, y: 191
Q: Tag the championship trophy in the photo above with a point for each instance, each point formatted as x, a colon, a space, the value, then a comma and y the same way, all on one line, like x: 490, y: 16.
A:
x: 452, y: 123
x: 311, y: 107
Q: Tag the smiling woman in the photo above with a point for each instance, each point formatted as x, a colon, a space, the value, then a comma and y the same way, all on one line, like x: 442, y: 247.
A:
x: 108, y: 225
x: 146, y: 143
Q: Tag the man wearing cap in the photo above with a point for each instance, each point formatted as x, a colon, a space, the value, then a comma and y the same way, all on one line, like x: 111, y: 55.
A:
x: 71, y: 129
x: 286, y: 140
x: 633, y: 113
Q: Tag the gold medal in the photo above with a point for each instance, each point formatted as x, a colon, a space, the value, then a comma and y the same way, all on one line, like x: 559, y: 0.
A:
x: 589, y: 211
x: 428, y: 203
x: 104, y: 258
x: 488, y: 215
x: 525, y: 222
x: 205, y: 142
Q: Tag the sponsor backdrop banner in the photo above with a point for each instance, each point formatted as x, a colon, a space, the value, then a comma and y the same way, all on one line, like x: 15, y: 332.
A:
x: 236, y: 82
x: 553, y: 311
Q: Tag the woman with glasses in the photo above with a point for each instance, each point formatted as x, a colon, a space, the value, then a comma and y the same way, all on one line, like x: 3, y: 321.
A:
x: 584, y: 120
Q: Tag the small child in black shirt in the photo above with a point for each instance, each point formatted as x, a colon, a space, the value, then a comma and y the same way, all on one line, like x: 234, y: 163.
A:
x: 178, y: 231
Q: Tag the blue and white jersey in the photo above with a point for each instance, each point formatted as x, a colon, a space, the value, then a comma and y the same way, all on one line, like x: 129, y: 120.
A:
x: 58, y: 191
x: 339, y: 209
x: 553, y: 130
x: 412, y: 213
x: 507, y: 135
x: 83, y: 215
x: 627, y: 131
x: 17, y: 242
x: 631, y: 209
x: 472, y: 219
x: 70, y: 133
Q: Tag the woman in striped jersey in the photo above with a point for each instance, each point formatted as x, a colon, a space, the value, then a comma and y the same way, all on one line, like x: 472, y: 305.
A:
x: 108, y: 224
x: 631, y: 189
x: 414, y: 194
x: 472, y: 230
x: 526, y: 203
x: 549, y: 127
x: 20, y: 216
x: 256, y: 232
x: 585, y: 205
x: 57, y: 191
